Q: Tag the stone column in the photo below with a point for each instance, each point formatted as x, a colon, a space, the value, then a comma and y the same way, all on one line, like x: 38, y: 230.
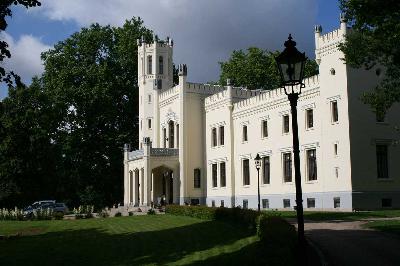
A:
x: 126, y: 172
x: 147, y: 171
x: 176, y: 185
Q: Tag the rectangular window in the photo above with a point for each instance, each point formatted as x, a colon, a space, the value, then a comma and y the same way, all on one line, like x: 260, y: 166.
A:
x: 287, y: 167
x: 265, y: 203
x: 310, y: 118
x: 197, y: 178
x: 311, y: 165
x: 214, y: 175
x: 244, y: 135
x: 149, y: 98
x: 149, y: 123
x: 286, y: 124
x: 213, y: 137
x: 246, y: 172
x: 161, y: 65
x: 222, y: 203
x: 221, y: 135
x: 310, y: 202
x: 264, y: 126
x: 286, y: 203
x: 149, y: 65
x: 245, y: 204
x: 222, y: 174
x: 334, y: 110
x: 335, y: 149
x: 194, y: 202
x: 213, y: 203
x: 386, y: 203
x: 177, y: 135
x: 336, y: 202
x: 337, y: 172
x: 266, y: 170
x: 382, y: 161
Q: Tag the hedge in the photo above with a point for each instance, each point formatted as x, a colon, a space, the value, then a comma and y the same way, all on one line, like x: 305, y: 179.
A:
x: 266, y: 225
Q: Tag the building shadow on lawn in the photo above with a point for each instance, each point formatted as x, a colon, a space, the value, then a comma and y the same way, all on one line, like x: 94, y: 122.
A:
x: 98, y: 247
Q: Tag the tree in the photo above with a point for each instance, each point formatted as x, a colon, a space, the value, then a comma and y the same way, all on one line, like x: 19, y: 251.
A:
x: 88, y: 110
x: 5, y: 11
x: 256, y: 69
x: 375, y: 41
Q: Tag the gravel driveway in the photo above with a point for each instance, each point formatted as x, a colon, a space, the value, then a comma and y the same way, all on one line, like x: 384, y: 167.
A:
x: 347, y: 243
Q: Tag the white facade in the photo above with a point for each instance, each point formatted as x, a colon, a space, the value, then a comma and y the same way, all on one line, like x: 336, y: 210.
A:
x: 198, y: 142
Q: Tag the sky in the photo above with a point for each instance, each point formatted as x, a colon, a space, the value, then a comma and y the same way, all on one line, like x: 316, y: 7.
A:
x: 205, y: 32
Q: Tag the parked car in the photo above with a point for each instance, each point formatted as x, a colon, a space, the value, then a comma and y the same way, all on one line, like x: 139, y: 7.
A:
x: 42, y: 204
x: 60, y: 207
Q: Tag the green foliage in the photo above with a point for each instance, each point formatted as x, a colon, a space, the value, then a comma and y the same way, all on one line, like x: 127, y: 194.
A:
x: 12, y: 215
x: 151, y: 212
x: 58, y: 215
x: 84, y: 211
x: 256, y: 69
x: 375, y: 41
x: 62, y: 137
x: 245, y: 217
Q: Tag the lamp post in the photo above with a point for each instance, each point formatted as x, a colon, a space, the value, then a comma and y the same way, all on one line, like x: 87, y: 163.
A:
x: 291, y: 69
x: 257, y: 161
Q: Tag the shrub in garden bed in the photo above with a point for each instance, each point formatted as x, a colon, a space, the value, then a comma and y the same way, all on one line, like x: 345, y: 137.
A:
x: 151, y: 212
x: 84, y: 211
x: 274, y: 229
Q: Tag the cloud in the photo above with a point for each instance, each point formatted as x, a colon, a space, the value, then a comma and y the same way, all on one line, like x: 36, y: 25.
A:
x: 205, y: 31
x: 25, y: 56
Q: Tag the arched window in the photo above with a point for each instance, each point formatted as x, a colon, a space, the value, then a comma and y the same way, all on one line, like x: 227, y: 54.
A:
x: 130, y: 186
x: 160, y: 65
x: 149, y: 65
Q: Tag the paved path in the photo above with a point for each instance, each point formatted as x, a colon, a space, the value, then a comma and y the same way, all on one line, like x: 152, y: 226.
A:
x: 347, y: 243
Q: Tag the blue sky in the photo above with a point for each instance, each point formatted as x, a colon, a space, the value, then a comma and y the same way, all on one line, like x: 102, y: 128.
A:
x: 210, y: 28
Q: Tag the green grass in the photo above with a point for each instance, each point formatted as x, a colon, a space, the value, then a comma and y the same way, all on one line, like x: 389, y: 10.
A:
x: 137, y: 240
x: 351, y: 216
x: 392, y: 226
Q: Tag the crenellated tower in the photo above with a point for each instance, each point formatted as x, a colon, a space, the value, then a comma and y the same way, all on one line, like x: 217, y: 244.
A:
x: 155, y: 73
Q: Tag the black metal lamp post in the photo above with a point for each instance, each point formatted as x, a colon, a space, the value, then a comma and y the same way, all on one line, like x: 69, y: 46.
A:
x: 291, y: 69
x: 257, y: 161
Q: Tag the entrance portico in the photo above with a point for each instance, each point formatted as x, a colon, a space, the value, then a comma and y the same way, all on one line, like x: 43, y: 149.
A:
x: 151, y: 174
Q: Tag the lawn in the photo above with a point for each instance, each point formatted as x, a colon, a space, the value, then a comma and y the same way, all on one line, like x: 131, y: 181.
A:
x: 350, y: 216
x: 392, y: 226
x: 136, y: 240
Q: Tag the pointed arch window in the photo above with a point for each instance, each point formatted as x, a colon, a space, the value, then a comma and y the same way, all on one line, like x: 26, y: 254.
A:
x: 149, y: 65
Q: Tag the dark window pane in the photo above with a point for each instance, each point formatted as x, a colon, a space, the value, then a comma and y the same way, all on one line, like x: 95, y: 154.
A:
x: 221, y: 135
x: 266, y: 170
x: 265, y: 203
x: 286, y: 124
x: 335, y: 113
x: 264, y: 128
x: 310, y: 118
x: 161, y: 65
x: 214, y: 175
x: 246, y: 172
x: 214, y: 137
x: 312, y: 165
x: 149, y: 65
x: 382, y: 161
x: 245, y: 133
x: 222, y: 173
x: 245, y: 204
x: 287, y: 167
x: 336, y: 202
x: 286, y: 203
x: 310, y: 202
x: 197, y: 178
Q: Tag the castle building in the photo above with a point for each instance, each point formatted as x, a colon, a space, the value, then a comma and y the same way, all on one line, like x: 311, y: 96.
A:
x: 197, y: 143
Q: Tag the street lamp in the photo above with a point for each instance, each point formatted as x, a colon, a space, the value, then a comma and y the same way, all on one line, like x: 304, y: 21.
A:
x: 291, y: 69
x: 257, y: 161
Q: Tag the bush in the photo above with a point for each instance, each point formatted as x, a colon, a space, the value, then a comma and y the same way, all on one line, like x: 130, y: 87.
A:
x: 245, y: 217
x: 58, y: 215
x: 13, y: 214
x: 273, y: 229
x: 117, y: 214
x: 43, y: 214
x: 151, y: 212
x: 83, y: 211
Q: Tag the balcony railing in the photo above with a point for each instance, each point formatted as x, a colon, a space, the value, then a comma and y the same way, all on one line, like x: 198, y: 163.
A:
x: 164, y: 152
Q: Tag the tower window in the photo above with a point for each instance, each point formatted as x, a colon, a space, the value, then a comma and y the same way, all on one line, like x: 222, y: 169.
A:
x: 149, y: 98
x: 309, y: 118
x: 334, y: 111
x: 246, y: 172
x: 287, y: 167
x: 264, y: 125
x: 213, y: 137
x: 266, y: 170
x: 244, y: 137
x: 286, y: 124
x: 149, y: 65
x: 335, y: 149
x: 161, y: 65
x: 221, y: 135
x: 149, y: 123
